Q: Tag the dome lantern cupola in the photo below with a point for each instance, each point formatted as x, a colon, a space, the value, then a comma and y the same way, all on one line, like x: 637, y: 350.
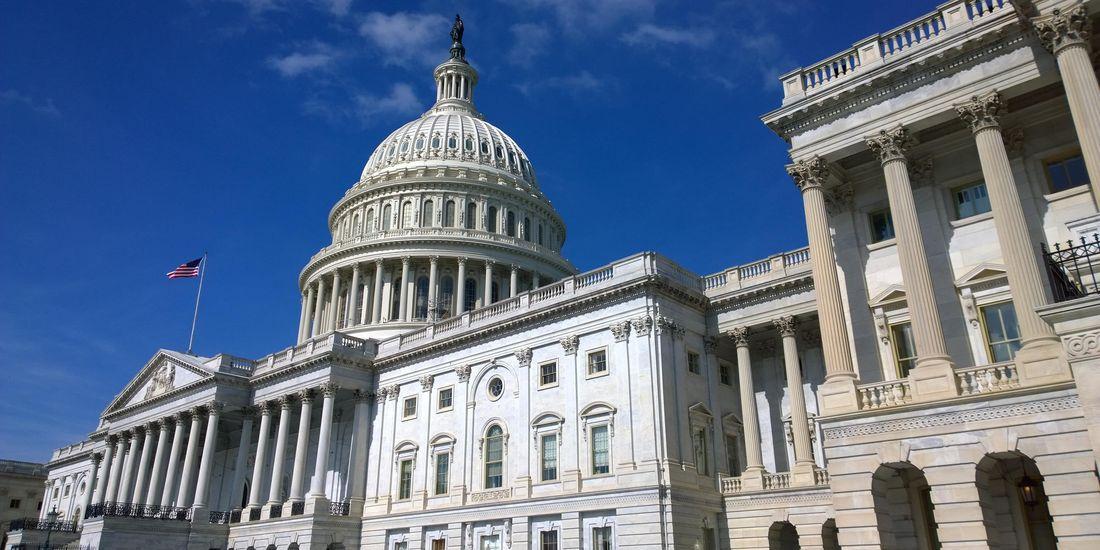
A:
x: 455, y: 78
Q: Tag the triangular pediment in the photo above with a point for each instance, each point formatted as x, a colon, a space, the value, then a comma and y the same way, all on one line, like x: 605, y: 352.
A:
x: 166, y: 372
x: 891, y: 295
x: 981, y: 273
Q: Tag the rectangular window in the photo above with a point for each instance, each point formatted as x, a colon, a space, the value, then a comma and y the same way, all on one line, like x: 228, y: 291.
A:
x: 731, y: 456
x: 1002, y: 333
x: 970, y: 200
x: 699, y: 440
x: 67, y: 489
x: 708, y: 539
x: 439, y: 544
x: 446, y: 399
x: 408, y: 410
x: 601, y: 538
x: 442, y: 472
x: 548, y: 540
x: 404, y: 490
x: 548, y: 374
x: 693, y: 362
x: 549, y: 450
x: 1067, y: 173
x: 15, y: 503
x: 882, y: 225
x: 400, y: 546
x: 905, y: 350
x: 601, y: 459
x: 490, y: 542
x: 597, y: 362
x: 724, y: 374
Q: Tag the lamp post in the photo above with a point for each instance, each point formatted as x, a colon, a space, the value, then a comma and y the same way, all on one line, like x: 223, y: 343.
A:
x: 51, y: 519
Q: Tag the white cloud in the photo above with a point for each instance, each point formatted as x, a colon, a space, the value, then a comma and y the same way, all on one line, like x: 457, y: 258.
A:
x: 318, y: 58
x: 14, y: 97
x: 337, y: 7
x: 578, y: 16
x: 648, y: 34
x: 576, y: 84
x: 256, y: 8
x: 407, y: 38
x: 529, y: 41
x: 364, y: 108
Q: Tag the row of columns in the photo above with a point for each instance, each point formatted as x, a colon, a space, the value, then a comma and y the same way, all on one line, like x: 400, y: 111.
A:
x: 363, y: 303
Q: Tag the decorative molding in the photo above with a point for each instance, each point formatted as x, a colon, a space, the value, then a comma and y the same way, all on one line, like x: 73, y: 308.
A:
x: 809, y: 173
x: 642, y: 325
x: 1085, y: 344
x: 392, y: 391
x: 621, y: 331
x: 786, y: 325
x: 981, y: 112
x: 463, y: 372
x: 710, y: 345
x: 739, y: 335
x: 305, y: 395
x: 426, y: 382
x: 329, y: 389
x: 570, y: 343
x: 1062, y: 29
x: 890, y: 145
x: 524, y: 357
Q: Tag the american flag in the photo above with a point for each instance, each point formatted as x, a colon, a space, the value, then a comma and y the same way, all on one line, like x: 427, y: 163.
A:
x: 187, y: 270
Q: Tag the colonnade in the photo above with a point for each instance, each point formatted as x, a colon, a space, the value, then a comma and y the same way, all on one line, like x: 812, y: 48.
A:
x: 391, y: 290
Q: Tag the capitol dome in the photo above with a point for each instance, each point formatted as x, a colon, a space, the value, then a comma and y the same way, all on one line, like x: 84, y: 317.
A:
x: 446, y: 217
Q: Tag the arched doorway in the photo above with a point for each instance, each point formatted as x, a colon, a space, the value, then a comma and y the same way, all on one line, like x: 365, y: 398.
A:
x: 830, y: 539
x: 782, y: 536
x: 903, y: 506
x: 1014, y: 502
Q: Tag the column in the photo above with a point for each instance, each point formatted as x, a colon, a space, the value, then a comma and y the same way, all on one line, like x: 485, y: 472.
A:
x: 513, y: 282
x: 320, y: 467
x: 302, y: 323
x: 274, y: 496
x: 403, y: 292
x: 306, y: 327
x: 93, y: 479
x: 460, y: 288
x: 301, y: 447
x: 183, y: 499
x: 173, y: 460
x: 143, y: 463
x: 261, y: 456
x: 318, y: 306
x: 125, y: 485
x: 890, y: 146
x: 104, y: 472
x: 1025, y: 279
x: 376, y: 310
x: 206, y: 463
x: 535, y: 280
x: 433, y: 279
x: 1066, y: 35
x: 800, y: 422
x: 810, y: 176
x: 155, y: 480
x: 334, y: 302
x: 120, y: 442
x: 488, y: 290
x: 754, y: 458
x: 357, y: 478
x: 242, y: 454
x: 353, y: 297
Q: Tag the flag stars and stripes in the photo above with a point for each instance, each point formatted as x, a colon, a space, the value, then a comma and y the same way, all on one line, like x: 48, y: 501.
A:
x: 187, y: 270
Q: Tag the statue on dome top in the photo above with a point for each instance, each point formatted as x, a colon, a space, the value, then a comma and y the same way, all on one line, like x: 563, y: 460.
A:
x: 458, y: 51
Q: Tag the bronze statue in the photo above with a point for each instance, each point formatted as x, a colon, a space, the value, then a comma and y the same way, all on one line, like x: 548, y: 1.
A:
x: 458, y: 51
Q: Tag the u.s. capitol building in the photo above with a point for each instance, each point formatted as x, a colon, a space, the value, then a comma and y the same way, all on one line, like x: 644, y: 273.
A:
x: 923, y: 375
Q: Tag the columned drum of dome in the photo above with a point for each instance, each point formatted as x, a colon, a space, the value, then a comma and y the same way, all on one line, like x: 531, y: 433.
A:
x: 446, y: 217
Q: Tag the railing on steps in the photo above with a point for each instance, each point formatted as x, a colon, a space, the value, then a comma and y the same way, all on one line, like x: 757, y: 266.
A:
x: 147, y: 511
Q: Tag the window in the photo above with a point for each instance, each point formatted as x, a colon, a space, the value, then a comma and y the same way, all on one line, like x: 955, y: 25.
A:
x: 526, y: 229
x: 408, y: 409
x: 548, y: 540
x: 882, y: 225
x: 446, y: 294
x: 490, y: 542
x: 439, y: 544
x: 1002, y: 333
x: 68, y: 489
x: 724, y: 375
x: 491, y: 220
x: 496, y: 388
x: 427, y: 214
x: 549, y: 449
x: 420, y: 143
x: 446, y: 399
x: 484, y: 147
x: 387, y: 217
x: 400, y: 546
x: 471, y: 216
x: 548, y: 374
x: 494, y: 458
x: 421, y: 300
x: 405, y: 480
x: 511, y: 224
x: 731, y: 456
x: 693, y: 362
x: 970, y: 200
x: 442, y: 471
x: 471, y: 295
x: 601, y: 453
x: 368, y: 224
x: 407, y: 214
x: 449, y: 214
x: 15, y: 503
x: 1067, y: 173
x: 601, y: 538
x: 905, y: 350
x: 597, y: 362
x: 540, y: 234
x: 699, y: 440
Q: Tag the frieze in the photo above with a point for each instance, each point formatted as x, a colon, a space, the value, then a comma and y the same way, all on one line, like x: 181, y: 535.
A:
x: 1085, y: 344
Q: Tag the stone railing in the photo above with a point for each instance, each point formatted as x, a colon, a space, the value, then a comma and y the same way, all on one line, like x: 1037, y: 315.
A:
x: 771, y: 482
x: 333, y: 342
x: 952, y: 17
x: 884, y: 394
x: 639, y: 266
x: 441, y: 232
x: 987, y: 379
x: 778, y: 480
x: 729, y: 485
x: 65, y: 452
x: 772, y: 267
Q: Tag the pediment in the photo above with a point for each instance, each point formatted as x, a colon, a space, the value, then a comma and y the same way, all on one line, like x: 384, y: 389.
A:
x: 981, y: 273
x: 891, y: 295
x: 164, y: 373
x: 700, y: 410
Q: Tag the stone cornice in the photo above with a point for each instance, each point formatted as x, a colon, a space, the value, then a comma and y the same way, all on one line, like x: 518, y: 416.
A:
x: 773, y: 289
x: 311, y: 364
x: 135, y: 384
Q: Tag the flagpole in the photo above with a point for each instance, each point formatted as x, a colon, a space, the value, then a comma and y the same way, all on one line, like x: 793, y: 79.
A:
x: 195, y: 318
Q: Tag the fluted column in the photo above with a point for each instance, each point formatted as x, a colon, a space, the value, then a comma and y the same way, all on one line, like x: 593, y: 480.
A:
x: 302, y: 316
x: 242, y: 455
x: 403, y: 313
x: 143, y: 464
x: 376, y: 310
x: 124, y: 494
x: 274, y: 496
x: 155, y: 480
x: 301, y: 447
x: 800, y: 421
x: 357, y: 478
x: 433, y: 280
x: 513, y: 282
x: 353, y: 297
x: 1024, y: 275
x: 120, y: 442
x: 488, y: 290
x: 104, y: 472
x: 1067, y: 34
x: 206, y: 463
x: 261, y: 456
x: 183, y: 498
x: 318, y: 307
x: 320, y: 467
x: 890, y: 146
x: 173, y: 460
x: 460, y: 288
x: 754, y: 458
x: 810, y: 175
x: 334, y: 302
x: 304, y: 331
x: 92, y: 485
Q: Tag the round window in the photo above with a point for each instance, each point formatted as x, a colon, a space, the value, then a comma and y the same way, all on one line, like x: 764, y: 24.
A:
x: 496, y: 388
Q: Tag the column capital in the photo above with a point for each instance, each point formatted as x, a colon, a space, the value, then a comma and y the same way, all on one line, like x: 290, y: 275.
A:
x: 378, y: 263
x: 112, y: 439
x: 215, y: 407
x: 809, y: 173
x: 515, y: 268
x: 264, y: 408
x: 463, y: 372
x: 890, y: 145
x: 197, y: 411
x: 249, y: 411
x: 982, y: 111
x: 569, y: 344
x: 305, y: 396
x: 620, y: 331
x: 426, y: 382
x: 380, y: 395
x: 524, y: 355
x: 1062, y: 29
x: 786, y: 325
x: 328, y: 389
x: 461, y: 260
x: 153, y: 426
x: 355, y: 267
x: 392, y: 391
x: 124, y: 437
x: 739, y: 335
x: 433, y: 259
x: 405, y: 261
x: 284, y: 402
x: 710, y: 345
x: 490, y: 263
x: 361, y: 396
x: 175, y: 418
x: 642, y: 325
x: 96, y: 459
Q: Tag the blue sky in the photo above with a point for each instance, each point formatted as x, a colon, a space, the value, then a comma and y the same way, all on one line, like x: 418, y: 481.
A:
x: 135, y: 135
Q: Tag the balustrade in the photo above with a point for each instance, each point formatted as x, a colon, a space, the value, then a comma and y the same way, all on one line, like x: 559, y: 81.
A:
x: 884, y: 394
x: 987, y: 379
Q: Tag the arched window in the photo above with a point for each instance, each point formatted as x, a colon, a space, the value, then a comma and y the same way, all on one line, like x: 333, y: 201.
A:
x: 449, y: 214
x: 471, y: 295
x: 494, y: 457
x: 446, y: 295
x: 422, y: 297
x: 427, y: 214
x: 540, y: 233
x: 387, y: 217
x: 355, y: 228
x: 511, y: 224
x: 526, y: 229
x: 368, y: 225
x: 491, y: 220
x: 471, y: 216
x: 407, y: 214
x: 420, y: 143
